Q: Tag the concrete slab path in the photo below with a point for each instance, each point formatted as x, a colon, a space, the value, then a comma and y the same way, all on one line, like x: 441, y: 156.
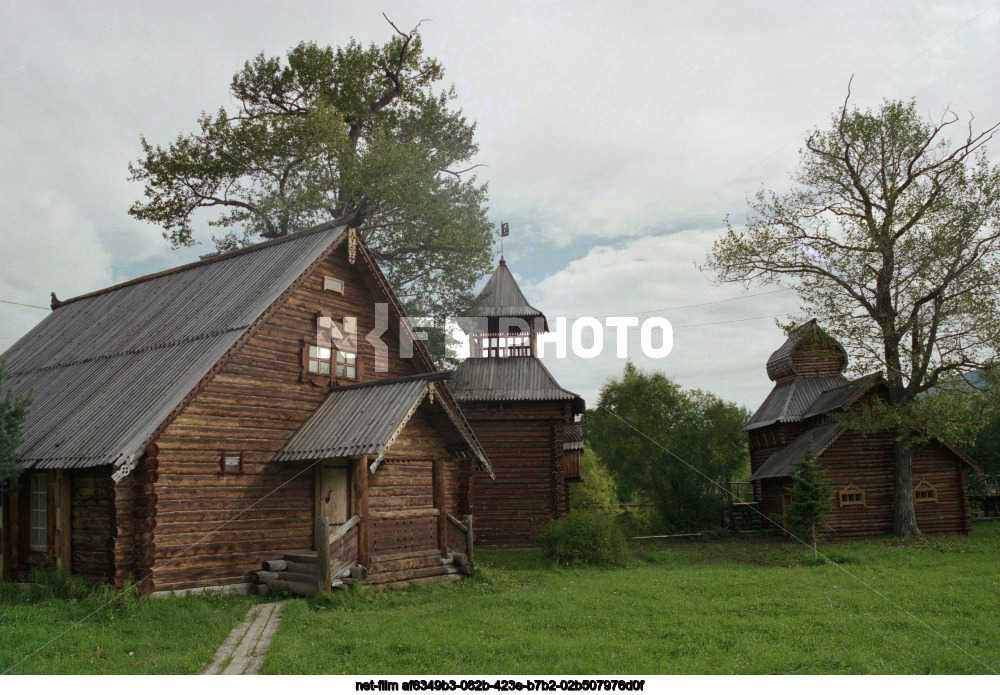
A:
x: 245, y: 647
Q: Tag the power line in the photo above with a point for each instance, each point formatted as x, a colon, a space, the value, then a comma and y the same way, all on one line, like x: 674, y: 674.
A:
x: 33, y: 306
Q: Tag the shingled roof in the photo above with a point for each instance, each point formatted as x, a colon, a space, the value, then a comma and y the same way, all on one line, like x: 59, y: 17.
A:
x: 106, y: 368
x: 509, y: 379
x: 502, y: 297
x: 780, y: 365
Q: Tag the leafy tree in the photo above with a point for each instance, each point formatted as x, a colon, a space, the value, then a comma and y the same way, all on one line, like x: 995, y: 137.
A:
x: 891, y: 237
x: 13, y: 411
x: 598, y: 489
x: 645, y: 427
x: 812, y: 498
x: 308, y: 138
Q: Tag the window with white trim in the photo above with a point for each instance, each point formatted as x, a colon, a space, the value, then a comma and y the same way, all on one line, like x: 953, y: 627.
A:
x: 39, y: 512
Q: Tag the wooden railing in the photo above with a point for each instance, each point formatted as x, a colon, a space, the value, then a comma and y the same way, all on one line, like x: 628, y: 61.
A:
x: 500, y: 345
x: 741, y: 492
x: 460, y: 540
x: 341, y: 549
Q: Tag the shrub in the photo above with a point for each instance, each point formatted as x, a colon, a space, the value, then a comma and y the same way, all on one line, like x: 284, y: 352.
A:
x: 586, y: 536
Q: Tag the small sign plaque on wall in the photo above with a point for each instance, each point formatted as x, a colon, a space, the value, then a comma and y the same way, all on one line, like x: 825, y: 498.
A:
x: 232, y: 464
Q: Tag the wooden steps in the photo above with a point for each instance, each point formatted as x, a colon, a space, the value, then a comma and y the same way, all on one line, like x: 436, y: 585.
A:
x: 296, y: 571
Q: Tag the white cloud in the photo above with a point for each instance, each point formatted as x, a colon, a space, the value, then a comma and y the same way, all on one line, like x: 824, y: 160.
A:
x: 657, y: 276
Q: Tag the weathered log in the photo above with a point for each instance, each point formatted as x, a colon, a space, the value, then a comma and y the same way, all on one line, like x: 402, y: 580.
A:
x: 261, y: 576
x: 273, y: 565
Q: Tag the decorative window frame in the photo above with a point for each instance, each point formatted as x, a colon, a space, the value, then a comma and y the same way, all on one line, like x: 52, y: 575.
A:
x: 924, y: 492
x: 331, y: 379
x: 855, y: 496
x: 332, y: 284
x: 226, y: 466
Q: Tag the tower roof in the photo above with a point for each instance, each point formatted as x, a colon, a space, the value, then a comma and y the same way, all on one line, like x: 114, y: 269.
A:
x: 502, y: 297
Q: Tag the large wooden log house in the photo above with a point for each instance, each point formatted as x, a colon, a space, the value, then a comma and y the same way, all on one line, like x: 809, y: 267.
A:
x: 527, y: 423
x: 810, y: 397
x: 189, y: 426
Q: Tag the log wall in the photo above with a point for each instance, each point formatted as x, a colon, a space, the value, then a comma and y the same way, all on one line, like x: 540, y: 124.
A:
x: 866, y: 462
x: 92, y: 513
x: 525, y: 445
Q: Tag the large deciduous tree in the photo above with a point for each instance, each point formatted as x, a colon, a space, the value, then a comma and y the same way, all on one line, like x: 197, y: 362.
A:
x: 668, y: 445
x: 308, y: 138
x: 891, y: 236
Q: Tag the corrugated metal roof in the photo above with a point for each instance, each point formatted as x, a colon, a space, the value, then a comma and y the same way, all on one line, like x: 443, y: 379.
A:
x: 356, y: 422
x: 105, y: 369
x: 781, y: 464
x: 509, y: 379
x: 366, y: 420
x: 837, y: 398
x: 791, y: 401
x: 502, y: 297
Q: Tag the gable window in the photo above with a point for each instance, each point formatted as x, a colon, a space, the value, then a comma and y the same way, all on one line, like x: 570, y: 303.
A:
x: 852, y: 495
x: 39, y: 512
x: 231, y: 464
x: 924, y: 492
x: 333, y: 284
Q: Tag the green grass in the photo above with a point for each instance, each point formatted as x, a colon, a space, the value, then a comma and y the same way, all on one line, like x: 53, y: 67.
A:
x: 729, y: 606
x: 721, y: 606
x: 70, y: 628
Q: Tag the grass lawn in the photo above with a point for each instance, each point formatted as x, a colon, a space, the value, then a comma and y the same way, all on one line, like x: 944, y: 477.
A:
x: 730, y: 606
x: 72, y: 630
x: 733, y: 606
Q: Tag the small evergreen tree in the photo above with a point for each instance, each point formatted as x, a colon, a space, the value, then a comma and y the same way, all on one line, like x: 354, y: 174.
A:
x: 812, y: 498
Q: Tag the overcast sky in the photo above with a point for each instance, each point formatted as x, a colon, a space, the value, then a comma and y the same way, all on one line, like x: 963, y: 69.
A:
x: 616, y: 137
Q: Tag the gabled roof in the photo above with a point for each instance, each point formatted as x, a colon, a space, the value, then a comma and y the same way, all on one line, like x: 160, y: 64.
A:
x: 106, y: 368
x: 842, y: 396
x: 781, y: 464
x: 365, y: 419
x: 502, y: 297
x: 509, y: 379
x: 789, y: 402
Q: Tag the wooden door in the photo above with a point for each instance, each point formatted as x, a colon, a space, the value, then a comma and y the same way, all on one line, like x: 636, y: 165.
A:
x: 334, y: 493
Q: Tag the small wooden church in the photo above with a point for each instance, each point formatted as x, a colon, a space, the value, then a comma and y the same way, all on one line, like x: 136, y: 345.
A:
x: 810, y: 394
x: 528, y: 425
x: 191, y: 426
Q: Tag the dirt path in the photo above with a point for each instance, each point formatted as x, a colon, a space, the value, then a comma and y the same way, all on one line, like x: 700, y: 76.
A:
x: 245, y: 647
